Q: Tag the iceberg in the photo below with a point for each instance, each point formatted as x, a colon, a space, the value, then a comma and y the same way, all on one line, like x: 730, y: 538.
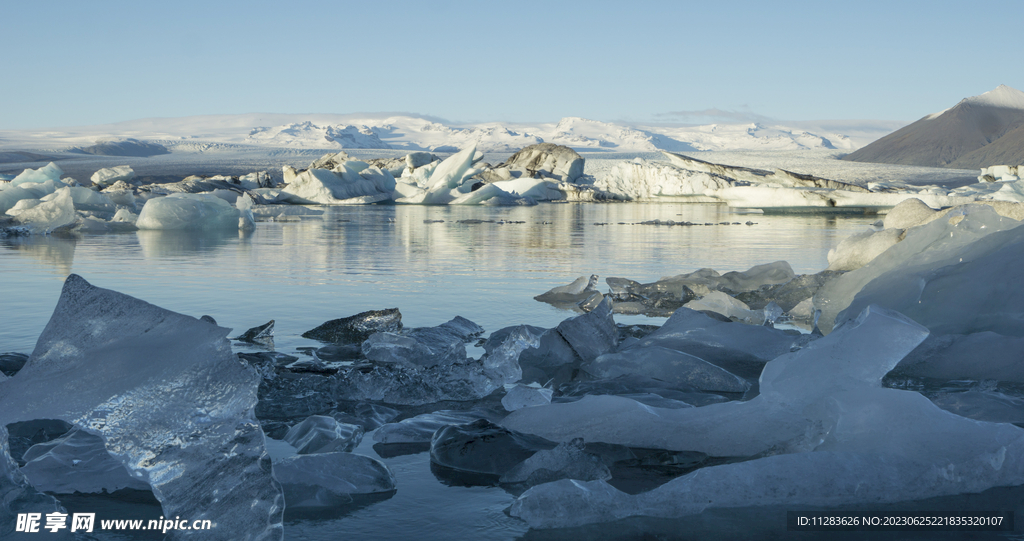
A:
x: 346, y: 184
x: 109, y: 175
x: 182, y: 421
x: 58, y: 211
x: 188, y: 211
x: 49, y: 172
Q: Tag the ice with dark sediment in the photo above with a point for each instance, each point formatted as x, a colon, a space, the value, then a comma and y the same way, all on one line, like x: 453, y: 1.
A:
x: 829, y: 435
x: 76, y: 462
x: 182, y: 421
x: 355, y: 329
x: 331, y: 479
x: 667, y: 365
x: 483, y: 447
x: 323, y: 434
x: 568, y: 460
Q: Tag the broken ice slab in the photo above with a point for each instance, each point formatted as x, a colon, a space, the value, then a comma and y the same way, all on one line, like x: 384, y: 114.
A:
x: 791, y: 414
x: 539, y: 362
x: 182, y: 421
x: 643, y: 389
x: 323, y: 434
x: 667, y: 365
x: 76, y: 462
x: 739, y: 349
x: 577, y: 291
x: 483, y: 447
x: 828, y: 433
x: 568, y: 460
x: 978, y: 356
x: 263, y: 334
x: 423, y: 346
x: 524, y: 396
x: 940, y: 275
x: 730, y: 307
x: 421, y: 428
x: 331, y: 479
x: 591, y: 334
x: 355, y: 329
x: 369, y: 416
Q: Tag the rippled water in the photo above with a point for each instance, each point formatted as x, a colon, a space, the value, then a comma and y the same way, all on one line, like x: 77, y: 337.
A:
x: 360, y: 258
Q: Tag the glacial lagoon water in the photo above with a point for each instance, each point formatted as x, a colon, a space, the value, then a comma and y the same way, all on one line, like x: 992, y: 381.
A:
x: 433, y: 263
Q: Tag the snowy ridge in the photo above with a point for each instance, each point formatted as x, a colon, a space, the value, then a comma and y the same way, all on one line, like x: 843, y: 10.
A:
x: 1001, y: 96
x: 417, y: 133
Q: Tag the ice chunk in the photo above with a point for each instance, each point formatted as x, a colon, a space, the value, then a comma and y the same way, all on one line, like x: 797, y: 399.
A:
x: 568, y: 460
x: 19, y: 497
x: 322, y: 434
x: 859, y: 249
x: 910, y: 213
x: 978, y: 356
x: 524, y: 396
x: 263, y: 334
x: 501, y: 363
x: 76, y: 462
x: 188, y: 211
x: 246, y: 221
x: 421, y: 428
x: 669, y: 366
x: 790, y: 415
x: 730, y: 307
x: 643, y: 389
x: 483, y: 447
x: 330, y: 479
x: 982, y: 404
x: 644, y: 180
x: 579, y: 290
x: 449, y: 174
x: 320, y: 186
x: 492, y: 195
x: 591, y: 334
x: 49, y: 215
x: 548, y: 160
x: 536, y: 189
x: 425, y: 346
x: 182, y: 421
x: 539, y: 362
x: 355, y: 329
x: 739, y: 349
x: 109, y: 175
x: 49, y: 172
x: 941, y: 276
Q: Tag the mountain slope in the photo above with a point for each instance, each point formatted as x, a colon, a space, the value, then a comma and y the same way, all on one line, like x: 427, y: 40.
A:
x: 958, y: 137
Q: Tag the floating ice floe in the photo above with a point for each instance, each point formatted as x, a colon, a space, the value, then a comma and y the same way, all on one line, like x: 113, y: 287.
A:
x: 194, y: 211
x: 828, y: 433
x: 181, y: 422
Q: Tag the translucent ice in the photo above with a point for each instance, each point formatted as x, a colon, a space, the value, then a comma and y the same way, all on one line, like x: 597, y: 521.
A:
x: 578, y: 290
x: 728, y: 306
x: 591, y: 334
x: 182, y: 421
x: 669, y: 366
x: 978, y: 356
x: 424, y: 346
x: 421, y: 428
x: 483, y: 447
x: 322, y: 434
x: 941, y: 276
x: 859, y: 249
x: 330, y: 479
x: 76, y: 462
x: 524, y: 396
x: 568, y: 460
x: 357, y: 328
x: 18, y: 496
x: 839, y: 439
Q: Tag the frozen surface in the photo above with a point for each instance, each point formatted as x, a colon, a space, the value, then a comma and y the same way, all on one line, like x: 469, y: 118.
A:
x: 182, y: 421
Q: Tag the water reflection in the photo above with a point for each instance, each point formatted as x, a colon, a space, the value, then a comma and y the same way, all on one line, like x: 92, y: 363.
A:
x: 157, y: 244
x: 57, y: 254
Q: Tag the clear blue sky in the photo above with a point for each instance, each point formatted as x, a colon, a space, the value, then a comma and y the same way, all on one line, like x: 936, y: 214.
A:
x: 68, y: 63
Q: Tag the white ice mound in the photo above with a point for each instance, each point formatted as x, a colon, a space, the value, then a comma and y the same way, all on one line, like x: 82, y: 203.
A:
x: 169, y: 399
x: 346, y: 184
x: 834, y: 437
x: 50, y: 171
x: 859, y: 249
x: 57, y: 211
x: 641, y: 180
x: 941, y: 275
x: 109, y: 175
x: 188, y: 211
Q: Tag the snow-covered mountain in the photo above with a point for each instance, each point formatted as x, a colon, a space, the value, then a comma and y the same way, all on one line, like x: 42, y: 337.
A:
x: 976, y: 132
x: 411, y: 132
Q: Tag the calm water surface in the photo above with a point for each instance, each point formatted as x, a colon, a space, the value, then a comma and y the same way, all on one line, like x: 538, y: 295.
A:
x: 369, y: 257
